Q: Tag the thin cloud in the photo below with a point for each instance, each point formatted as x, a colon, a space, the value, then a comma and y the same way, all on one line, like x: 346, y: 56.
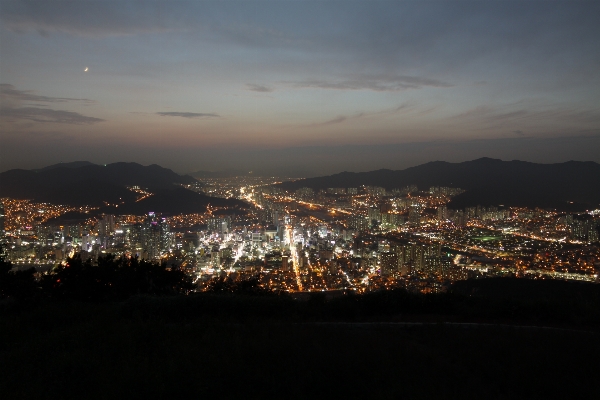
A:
x: 374, y: 83
x: 186, y: 114
x: 536, y: 118
x: 11, y: 108
x: 333, y: 121
x: 10, y: 94
x: 489, y: 114
x: 476, y: 112
x: 403, y: 108
x: 47, y: 115
x: 259, y: 88
x: 535, y: 112
x: 508, y: 115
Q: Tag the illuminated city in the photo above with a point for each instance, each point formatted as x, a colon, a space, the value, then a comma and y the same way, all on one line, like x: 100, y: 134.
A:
x: 361, y: 239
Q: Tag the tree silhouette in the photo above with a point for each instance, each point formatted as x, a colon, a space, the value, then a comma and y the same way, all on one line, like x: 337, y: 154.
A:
x: 225, y: 284
x: 113, y: 279
x: 18, y: 285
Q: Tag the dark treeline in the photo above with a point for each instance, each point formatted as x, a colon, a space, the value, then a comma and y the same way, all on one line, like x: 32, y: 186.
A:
x: 79, y: 280
x: 251, y: 286
x: 392, y: 305
x: 155, y: 290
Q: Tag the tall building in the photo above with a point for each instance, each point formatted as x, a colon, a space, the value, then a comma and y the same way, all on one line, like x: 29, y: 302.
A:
x: 391, y: 220
x: 459, y: 218
x: 1, y: 217
x: 432, y: 265
x: 414, y: 215
x: 584, y: 230
x: 389, y: 263
x: 418, y: 260
x: 359, y: 222
x: 446, y: 267
x: 285, y: 266
x: 305, y: 193
x: 374, y: 214
x: 442, y: 213
x: 221, y: 225
x: 106, y: 226
x: 155, y: 237
x: 375, y: 190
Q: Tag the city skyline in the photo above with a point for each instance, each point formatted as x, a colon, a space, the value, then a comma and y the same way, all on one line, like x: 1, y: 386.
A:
x: 310, y: 87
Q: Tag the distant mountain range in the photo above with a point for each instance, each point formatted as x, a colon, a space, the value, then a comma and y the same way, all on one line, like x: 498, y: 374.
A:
x: 83, y: 183
x: 571, y: 185
x: 566, y: 186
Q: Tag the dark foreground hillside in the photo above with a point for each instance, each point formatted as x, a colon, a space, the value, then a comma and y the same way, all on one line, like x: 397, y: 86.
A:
x: 97, y: 353
x: 388, y: 344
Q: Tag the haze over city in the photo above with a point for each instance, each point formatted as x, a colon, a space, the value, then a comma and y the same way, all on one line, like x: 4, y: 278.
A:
x: 306, y: 87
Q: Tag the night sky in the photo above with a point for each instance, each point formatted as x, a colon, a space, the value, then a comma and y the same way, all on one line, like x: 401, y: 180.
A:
x: 306, y: 87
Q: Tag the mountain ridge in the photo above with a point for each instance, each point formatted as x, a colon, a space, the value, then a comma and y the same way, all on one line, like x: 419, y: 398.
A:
x: 72, y: 164
x: 487, y: 181
x: 83, y: 183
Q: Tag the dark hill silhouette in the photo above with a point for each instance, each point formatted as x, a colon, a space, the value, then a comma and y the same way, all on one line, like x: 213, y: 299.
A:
x: 91, y: 192
x: 74, y: 164
x: 175, y: 201
x: 487, y: 182
x: 529, y: 290
x: 21, y: 184
x: 87, y: 184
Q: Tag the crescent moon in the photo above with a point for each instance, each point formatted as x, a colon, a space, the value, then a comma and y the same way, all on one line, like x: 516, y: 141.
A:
x: 86, y: 69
